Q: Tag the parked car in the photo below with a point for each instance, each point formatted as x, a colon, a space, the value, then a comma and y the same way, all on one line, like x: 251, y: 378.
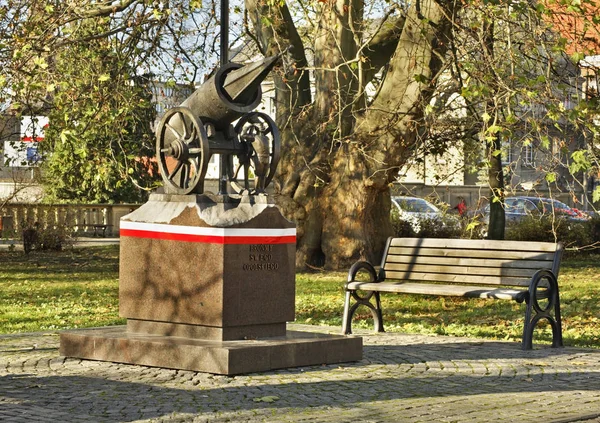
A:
x: 416, y: 211
x: 517, y: 208
x: 415, y: 206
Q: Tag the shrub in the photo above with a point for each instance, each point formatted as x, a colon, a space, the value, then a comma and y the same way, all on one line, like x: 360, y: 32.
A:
x: 36, y: 237
x: 474, y: 227
x: 446, y: 226
x: 546, y: 229
x: 401, y: 227
x: 594, y: 228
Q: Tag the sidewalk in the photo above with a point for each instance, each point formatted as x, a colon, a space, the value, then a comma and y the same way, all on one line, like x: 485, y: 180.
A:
x: 402, y: 378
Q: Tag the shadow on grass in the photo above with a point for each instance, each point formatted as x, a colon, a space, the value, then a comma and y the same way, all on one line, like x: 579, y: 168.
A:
x: 79, y: 264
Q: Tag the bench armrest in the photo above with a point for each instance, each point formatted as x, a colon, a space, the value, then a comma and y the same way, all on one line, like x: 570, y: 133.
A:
x: 360, y: 265
x: 538, y: 277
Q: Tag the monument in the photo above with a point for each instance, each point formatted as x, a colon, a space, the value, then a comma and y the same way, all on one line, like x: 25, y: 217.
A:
x: 207, y: 281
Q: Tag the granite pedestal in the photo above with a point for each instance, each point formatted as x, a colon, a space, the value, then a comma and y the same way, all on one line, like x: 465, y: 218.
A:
x: 207, y: 283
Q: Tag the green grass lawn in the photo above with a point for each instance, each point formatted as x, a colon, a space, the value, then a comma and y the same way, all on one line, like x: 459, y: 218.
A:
x: 79, y: 288
x: 50, y: 290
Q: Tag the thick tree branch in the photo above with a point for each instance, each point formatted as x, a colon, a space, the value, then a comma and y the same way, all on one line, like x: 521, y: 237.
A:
x: 277, y: 36
x: 382, y: 46
x: 106, y: 8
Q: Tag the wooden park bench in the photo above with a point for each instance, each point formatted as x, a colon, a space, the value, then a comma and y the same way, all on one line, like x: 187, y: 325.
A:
x: 512, y: 270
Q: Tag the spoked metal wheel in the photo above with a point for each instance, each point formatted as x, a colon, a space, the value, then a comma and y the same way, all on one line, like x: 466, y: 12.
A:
x: 250, y: 128
x: 182, y: 151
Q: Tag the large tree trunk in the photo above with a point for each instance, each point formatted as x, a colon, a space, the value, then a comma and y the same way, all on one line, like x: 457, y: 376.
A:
x: 357, y: 197
x: 338, y: 163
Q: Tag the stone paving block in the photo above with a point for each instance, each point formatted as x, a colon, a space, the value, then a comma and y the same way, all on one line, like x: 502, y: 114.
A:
x: 405, y: 378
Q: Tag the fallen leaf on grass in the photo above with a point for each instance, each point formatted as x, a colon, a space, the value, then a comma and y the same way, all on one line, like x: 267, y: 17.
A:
x: 268, y: 398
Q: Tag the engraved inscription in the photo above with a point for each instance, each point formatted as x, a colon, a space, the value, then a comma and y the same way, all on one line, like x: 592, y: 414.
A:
x: 260, y: 257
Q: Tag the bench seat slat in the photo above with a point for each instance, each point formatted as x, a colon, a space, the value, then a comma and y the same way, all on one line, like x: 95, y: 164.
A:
x: 473, y: 244
x: 445, y: 290
x: 458, y: 270
x: 497, y: 254
x: 465, y: 279
x: 475, y: 262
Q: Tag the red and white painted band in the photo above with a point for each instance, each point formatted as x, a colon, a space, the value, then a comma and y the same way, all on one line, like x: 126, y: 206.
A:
x: 207, y: 235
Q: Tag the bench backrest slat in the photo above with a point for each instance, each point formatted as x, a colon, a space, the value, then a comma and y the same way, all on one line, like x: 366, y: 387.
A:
x: 498, y: 254
x: 463, y: 270
x: 468, y: 261
x: 485, y: 262
x: 474, y: 244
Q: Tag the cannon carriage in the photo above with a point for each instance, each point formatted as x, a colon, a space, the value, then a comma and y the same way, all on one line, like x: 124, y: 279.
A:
x: 205, y: 124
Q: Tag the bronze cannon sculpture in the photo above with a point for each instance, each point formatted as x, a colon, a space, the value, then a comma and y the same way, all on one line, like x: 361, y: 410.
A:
x: 188, y: 135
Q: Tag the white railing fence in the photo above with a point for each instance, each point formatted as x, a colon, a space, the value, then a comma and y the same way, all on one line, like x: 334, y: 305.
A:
x: 79, y: 219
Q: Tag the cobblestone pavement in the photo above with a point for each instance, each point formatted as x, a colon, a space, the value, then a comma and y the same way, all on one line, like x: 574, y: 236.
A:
x: 402, y: 378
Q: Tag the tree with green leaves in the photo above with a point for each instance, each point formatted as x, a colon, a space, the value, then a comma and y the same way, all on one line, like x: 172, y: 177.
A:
x: 344, y: 146
x: 88, y: 66
x: 525, y: 98
x: 385, y: 85
x: 99, y: 145
x: 366, y: 86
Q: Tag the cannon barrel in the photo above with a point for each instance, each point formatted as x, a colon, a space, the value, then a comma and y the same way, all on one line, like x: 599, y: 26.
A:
x: 188, y: 135
x: 233, y: 91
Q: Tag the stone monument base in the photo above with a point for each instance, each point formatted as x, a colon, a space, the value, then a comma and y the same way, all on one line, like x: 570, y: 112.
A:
x: 207, y: 283
x: 294, y: 349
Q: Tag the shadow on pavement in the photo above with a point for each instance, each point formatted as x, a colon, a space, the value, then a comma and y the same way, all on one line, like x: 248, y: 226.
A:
x: 464, y: 350
x: 64, y: 398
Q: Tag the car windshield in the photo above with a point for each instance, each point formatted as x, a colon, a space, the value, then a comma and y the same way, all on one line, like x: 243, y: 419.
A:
x: 415, y: 205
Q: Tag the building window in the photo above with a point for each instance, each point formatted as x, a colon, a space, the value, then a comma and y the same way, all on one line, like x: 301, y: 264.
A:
x: 569, y: 101
x: 591, y: 89
x: 528, y: 155
x: 507, y: 153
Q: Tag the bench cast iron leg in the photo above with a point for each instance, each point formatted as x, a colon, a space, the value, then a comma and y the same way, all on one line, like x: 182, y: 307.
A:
x: 557, y: 338
x: 528, y: 328
x: 350, y: 310
x: 378, y: 316
x: 347, y: 319
x: 534, y: 312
